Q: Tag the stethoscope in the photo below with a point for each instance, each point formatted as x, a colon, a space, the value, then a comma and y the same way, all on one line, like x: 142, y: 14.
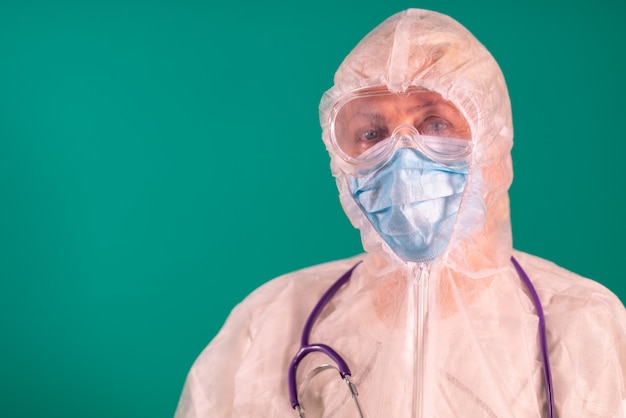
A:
x: 307, y: 348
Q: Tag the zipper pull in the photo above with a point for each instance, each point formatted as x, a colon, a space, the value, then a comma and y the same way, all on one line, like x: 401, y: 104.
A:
x: 419, y: 275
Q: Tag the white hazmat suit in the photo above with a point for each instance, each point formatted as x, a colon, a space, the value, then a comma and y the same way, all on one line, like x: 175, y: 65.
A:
x: 454, y: 337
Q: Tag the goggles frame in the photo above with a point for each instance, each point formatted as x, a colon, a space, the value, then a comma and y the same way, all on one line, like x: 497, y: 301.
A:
x: 403, y: 136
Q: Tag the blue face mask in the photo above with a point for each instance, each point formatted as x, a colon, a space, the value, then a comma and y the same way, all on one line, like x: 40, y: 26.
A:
x: 412, y: 202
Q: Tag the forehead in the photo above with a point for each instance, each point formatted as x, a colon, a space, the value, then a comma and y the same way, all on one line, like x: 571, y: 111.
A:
x: 382, y: 103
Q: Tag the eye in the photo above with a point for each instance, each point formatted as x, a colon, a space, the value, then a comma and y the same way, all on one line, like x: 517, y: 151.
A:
x: 374, y: 134
x: 435, y: 126
x: 370, y: 135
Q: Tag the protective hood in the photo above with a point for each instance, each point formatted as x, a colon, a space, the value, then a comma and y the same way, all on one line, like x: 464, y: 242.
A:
x: 430, y: 50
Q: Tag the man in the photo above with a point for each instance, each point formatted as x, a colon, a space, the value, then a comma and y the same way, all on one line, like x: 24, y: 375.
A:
x: 438, y: 318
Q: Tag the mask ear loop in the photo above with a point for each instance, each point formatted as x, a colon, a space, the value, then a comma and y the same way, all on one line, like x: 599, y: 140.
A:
x: 542, y: 337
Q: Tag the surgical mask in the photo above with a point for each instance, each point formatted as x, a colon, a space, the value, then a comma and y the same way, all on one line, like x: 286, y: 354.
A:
x: 412, y: 202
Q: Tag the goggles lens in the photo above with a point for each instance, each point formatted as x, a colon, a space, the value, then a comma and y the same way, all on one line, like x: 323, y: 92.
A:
x: 368, y: 125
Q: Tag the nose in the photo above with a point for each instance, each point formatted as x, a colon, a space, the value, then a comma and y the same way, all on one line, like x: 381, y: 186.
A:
x: 405, y: 135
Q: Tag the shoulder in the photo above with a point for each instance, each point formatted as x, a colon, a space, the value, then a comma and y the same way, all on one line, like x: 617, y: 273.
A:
x: 583, y: 317
x: 283, y: 299
x: 258, y: 337
x: 297, y: 285
x: 575, y: 302
x: 566, y: 290
x: 581, y: 314
x: 586, y: 330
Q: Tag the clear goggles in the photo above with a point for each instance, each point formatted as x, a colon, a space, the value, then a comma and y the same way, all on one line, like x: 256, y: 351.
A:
x: 366, y: 126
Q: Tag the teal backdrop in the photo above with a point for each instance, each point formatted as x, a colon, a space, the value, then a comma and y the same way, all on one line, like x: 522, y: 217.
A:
x: 159, y: 160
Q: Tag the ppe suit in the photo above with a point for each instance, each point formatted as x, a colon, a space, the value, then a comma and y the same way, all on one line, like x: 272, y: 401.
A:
x: 455, y: 336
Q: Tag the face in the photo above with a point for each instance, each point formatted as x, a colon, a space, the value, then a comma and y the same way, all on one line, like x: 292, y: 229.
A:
x: 372, y: 117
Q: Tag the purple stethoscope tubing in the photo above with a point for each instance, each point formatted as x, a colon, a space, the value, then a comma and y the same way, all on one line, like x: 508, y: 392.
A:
x: 306, y: 348
x: 344, y: 370
x: 543, y: 340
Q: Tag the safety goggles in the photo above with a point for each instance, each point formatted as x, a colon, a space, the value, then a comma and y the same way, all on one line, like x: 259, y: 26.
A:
x: 367, y: 125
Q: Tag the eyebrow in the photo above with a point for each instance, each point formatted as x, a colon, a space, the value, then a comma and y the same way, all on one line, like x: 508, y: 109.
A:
x: 421, y: 106
x: 370, y: 115
x: 374, y: 115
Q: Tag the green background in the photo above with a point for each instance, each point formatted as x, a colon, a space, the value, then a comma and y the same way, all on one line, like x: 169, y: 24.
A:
x: 161, y: 159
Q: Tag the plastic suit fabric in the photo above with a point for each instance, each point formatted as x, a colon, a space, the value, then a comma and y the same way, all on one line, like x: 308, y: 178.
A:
x: 450, y: 338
